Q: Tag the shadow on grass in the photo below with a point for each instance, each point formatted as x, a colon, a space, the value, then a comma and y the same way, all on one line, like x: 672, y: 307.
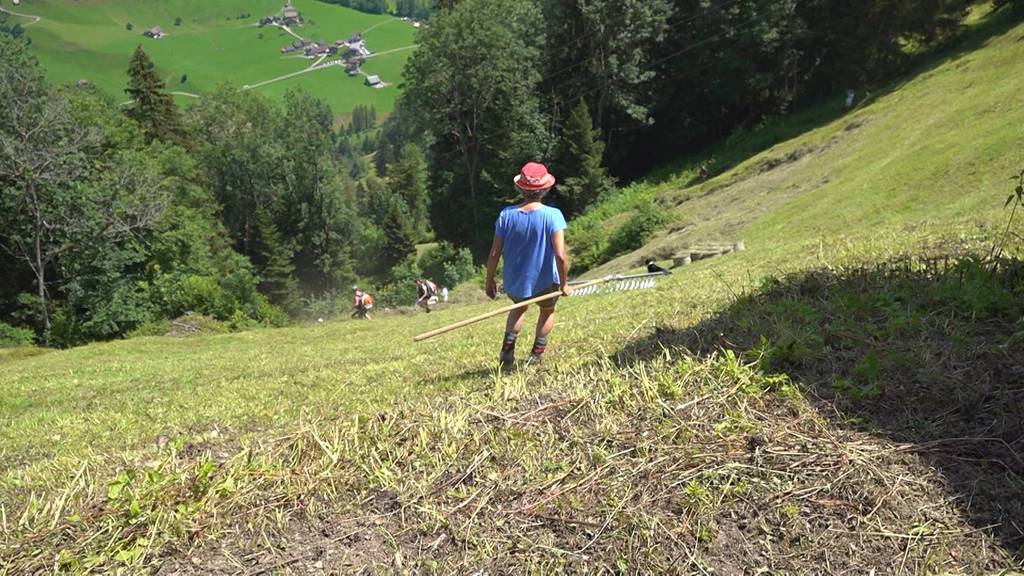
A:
x: 928, y: 353
x: 745, y: 144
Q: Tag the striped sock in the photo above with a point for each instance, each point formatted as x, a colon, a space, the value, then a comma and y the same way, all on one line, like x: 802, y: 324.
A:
x: 539, y: 345
x: 508, y: 344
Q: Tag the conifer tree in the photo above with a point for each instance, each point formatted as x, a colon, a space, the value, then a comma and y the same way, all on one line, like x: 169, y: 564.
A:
x: 409, y: 181
x: 580, y: 162
x: 384, y: 155
x: 152, y: 107
x: 273, y: 259
x: 358, y: 119
x: 399, y: 236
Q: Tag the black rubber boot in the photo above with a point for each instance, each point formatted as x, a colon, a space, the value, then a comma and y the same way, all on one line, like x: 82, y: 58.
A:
x: 507, y: 356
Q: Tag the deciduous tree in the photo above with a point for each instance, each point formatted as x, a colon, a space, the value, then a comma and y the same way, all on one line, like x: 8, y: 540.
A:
x: 42, y: 154
x: 472, y: 84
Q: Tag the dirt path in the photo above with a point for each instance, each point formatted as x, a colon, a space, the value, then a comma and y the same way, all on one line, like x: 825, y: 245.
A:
x: 289, y: 30
x: 189, y: 94
x: 319, y: 60
x: 393, y: 50
x: 379, y: 24
x: 312, y: 68
x: 34, y: 19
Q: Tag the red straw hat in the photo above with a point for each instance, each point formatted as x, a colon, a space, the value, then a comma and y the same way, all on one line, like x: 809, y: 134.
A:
x: 534, y: 176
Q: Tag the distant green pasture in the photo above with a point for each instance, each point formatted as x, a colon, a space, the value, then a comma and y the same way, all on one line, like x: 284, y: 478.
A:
x: 88, y: 39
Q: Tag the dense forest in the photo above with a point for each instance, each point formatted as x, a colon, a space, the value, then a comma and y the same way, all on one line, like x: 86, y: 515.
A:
x: 115, y: 219
x: 418, y: 9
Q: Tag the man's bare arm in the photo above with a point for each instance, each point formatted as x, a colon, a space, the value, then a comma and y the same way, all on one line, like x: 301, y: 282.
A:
x: 492, y: 266
x: 561, y: 260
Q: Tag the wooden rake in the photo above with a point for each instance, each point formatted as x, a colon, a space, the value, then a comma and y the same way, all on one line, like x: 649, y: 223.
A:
x: 614, y: 283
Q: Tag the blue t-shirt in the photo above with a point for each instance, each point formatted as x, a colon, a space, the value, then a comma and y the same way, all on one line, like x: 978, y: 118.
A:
x: 529, y: 256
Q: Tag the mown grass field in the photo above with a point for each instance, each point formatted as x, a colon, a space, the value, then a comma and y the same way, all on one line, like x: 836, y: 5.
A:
x: 88, y: 40
x: 790, y: 408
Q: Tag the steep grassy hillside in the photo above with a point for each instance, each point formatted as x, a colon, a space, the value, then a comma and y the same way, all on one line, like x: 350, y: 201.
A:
x: 809, y: 405
x: 76, y: 40
x: 936, y: 147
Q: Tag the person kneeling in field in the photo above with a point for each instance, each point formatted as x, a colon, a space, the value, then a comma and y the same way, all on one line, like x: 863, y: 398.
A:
x: 426, y: 294
x: 530, y: 237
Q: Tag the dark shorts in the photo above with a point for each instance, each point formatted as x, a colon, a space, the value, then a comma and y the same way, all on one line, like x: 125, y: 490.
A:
x: 547, y: 304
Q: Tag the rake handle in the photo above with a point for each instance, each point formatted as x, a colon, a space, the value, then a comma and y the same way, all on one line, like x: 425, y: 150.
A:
x: 499, y: 311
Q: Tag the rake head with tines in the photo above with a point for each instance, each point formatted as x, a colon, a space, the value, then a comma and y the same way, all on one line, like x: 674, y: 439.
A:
x: 619, y: 283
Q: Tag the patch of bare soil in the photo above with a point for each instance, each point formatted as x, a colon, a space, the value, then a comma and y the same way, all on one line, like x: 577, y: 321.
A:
x: 324, y: 544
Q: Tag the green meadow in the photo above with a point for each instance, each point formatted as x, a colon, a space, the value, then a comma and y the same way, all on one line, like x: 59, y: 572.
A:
x: 89, y: 40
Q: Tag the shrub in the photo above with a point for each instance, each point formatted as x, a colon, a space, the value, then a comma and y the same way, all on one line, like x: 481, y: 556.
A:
x: 635, y: 232
x: 113, y: 312
x: 179, y: 294
x: 152, y: 328
x: 241, y: 289
x: 324, y: 305
x: 14, y: 337
x: 270, y: 315
x: 401, y: 291
x: 395, y: 294
x: 447, y: 265
x: 65, y: 330
x: 587, y: 242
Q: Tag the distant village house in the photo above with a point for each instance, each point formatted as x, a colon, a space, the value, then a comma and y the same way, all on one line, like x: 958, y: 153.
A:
x: 319, y: 49
x: 288, y: 16
x: 295, y: 46
x: 155, y: 32
x: 374, y: 81
x: 356, y: 46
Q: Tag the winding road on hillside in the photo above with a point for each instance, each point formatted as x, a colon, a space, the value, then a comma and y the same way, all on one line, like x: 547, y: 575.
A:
x: 31, y: 17
x: 393, y: 50
x: 289, y: 30
x: 379, y: 24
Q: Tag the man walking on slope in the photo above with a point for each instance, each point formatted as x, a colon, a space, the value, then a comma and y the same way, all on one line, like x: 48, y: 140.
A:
x: 530, y: 237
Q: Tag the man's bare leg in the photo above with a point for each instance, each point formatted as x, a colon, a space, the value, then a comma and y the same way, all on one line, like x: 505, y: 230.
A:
x: 514, y: 322
x: 545, y: 322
